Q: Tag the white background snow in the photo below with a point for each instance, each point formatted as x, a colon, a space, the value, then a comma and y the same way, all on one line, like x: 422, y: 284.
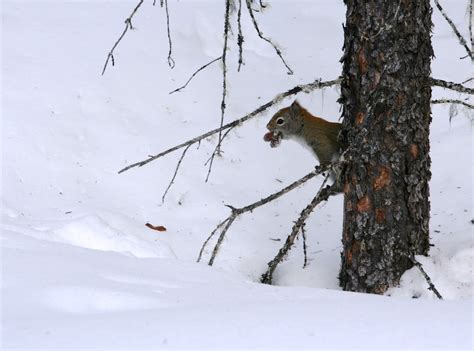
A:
x: 79, y: 267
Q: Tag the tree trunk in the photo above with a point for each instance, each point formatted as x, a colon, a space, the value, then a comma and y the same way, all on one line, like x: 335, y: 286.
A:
x: 386, y: 107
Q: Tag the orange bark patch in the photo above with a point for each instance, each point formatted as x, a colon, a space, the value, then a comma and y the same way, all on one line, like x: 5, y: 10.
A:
x: 379, y: 215
x: 363, y: 205
x: 347, y: 188
x: 414, y: 150
x: 383, y: 179
x: 362, y: 61
x: 353, y: 251
x: 346, y: 236
x: 349, y: 256
x: 360, y: 118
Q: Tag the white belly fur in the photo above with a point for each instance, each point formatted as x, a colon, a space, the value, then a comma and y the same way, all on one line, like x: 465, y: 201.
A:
x: 304, y: 144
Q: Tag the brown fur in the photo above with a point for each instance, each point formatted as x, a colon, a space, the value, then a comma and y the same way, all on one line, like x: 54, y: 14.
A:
x: 320, y: 135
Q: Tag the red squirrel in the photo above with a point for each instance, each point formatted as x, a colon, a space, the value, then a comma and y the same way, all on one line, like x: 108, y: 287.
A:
x: 295, y: 122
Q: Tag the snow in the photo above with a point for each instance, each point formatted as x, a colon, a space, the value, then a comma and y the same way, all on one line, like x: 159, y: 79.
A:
x: 79, y: 267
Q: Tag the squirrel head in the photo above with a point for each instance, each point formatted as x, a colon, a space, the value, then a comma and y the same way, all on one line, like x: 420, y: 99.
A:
x: 286, y: 123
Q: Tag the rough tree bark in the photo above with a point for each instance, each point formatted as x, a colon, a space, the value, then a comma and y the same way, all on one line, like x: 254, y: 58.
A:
x: 386, y: 106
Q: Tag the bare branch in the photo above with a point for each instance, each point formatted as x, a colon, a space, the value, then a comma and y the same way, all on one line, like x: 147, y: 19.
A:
x: 305, y: 253
x: 240, y: 37
x: 128, y: 25
x: 220, y: 225
x: 471, y: 9
x: 236, y: 212
x: 210, y: 161
x: 452, y: 86
x: 461, y: 39
x: 230, y: 220
x: 195, y: 73
x: 306, y: 88
x: 322, y: 195
x: 175, y: 173
x: 171, y: 62
x: 425, y: 275
x: 217, y: 150
x: 260, y: 34
x: 452, y: 101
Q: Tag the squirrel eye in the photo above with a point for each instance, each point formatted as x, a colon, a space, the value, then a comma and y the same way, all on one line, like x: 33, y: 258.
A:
x: 280, y: 121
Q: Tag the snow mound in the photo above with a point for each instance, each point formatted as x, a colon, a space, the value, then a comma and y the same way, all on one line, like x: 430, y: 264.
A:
x: 451, y: 274
x: 92, y: 232
x: 86, y: 300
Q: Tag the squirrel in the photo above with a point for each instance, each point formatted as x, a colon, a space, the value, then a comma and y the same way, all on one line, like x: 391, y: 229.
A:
x: 295, y: 122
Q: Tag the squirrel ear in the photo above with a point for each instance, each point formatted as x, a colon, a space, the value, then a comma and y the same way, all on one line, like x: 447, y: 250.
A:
x: 295, y: 107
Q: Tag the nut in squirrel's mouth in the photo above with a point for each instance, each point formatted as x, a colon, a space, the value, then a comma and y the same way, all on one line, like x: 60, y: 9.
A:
x: 273, y: 137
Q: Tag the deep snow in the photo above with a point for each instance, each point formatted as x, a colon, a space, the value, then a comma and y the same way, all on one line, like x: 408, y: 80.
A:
x: 79, y: 267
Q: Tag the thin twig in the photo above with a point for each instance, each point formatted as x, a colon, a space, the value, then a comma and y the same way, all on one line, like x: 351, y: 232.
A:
x: 236, y: 212
x: 224, y: 69
x: 214, y: 154
x: 425, y: 275
x: 452, y: 101
x: 175, y: 173
x: 217, y: 149
x: 195, y: 73
x: 231, y: 220
x: 240, y: 37
x: 468, y: 80
x: 260, y: 34
x: 461, y: 39
x: 322, y: 195
x: 305, y: 254
x: 450, y: 85
x: 128, y: 25
x: 471, y: 9
x: 171, y: 62
x: 210, y: 237
x: 306, y: 88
